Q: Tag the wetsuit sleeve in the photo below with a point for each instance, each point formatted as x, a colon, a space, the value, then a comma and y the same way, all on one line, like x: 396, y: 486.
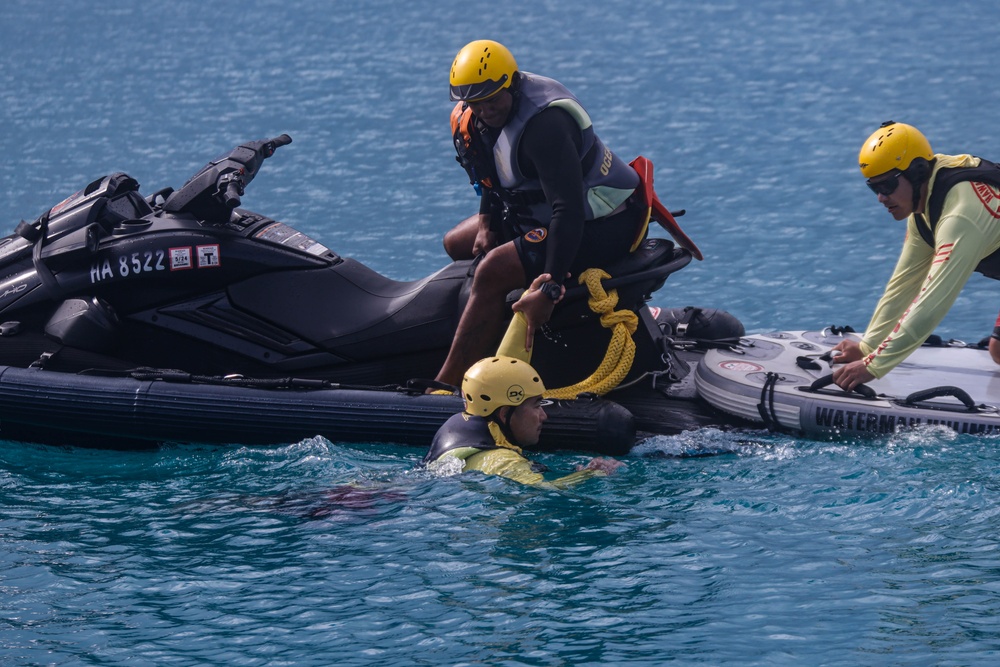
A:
x: 965, y: 234
x: 512, y: 344
x: 508, y: 463
x: 575, y: 478
x: 550, y: 150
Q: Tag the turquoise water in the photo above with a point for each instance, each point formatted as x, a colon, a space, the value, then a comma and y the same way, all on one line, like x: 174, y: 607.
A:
x: 709, y: 548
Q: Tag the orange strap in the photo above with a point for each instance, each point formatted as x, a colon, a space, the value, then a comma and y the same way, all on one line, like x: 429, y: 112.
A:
x: 461, y: 120
x: 456, y: 120
x: 656, y: 210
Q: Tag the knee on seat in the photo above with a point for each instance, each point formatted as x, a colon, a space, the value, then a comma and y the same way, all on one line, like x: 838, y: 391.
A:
x: 454, y: 246
x: 495, y: 273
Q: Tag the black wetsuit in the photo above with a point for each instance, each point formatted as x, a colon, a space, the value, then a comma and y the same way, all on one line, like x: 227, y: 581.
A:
x: 548, y: 151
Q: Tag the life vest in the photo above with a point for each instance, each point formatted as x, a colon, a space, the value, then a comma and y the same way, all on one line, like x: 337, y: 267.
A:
x: 462, y: 435
x: 945, y: 179
x: 608, y: 180
x: 465, y: 435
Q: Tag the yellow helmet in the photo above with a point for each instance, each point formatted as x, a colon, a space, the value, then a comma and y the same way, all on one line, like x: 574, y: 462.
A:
x: 494, y: 382
x: 481, y: 69
x: 893, y: 146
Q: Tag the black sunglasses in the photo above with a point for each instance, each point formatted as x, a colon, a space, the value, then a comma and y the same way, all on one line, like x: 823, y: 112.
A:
x: 887, y: 186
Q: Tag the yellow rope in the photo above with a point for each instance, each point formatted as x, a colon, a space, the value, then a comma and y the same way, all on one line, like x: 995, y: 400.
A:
x: 621, y: 350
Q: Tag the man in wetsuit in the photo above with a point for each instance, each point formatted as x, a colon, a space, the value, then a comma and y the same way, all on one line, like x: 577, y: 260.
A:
x: 951, y: 204
x: 503, y: 413
x: 555, y: 200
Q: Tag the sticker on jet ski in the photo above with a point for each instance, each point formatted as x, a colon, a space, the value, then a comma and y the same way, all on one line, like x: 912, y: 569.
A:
x: 150, y: 261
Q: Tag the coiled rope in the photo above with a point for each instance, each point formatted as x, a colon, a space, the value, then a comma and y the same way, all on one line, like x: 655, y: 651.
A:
x: 621, y: 349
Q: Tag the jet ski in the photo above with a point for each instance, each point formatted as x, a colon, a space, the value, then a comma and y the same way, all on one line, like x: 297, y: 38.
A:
x: 131, y: 320
x: 783, y: 381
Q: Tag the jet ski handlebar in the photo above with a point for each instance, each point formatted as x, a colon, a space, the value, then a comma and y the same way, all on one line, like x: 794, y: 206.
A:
x: 213, y: 193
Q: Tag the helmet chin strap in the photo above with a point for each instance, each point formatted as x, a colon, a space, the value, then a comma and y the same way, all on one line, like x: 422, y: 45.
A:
x: 504, y: 424
x: 917, y: 174
x: 515, y: 86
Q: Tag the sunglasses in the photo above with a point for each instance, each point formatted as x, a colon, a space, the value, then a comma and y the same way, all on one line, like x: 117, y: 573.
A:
x: 886, y: 186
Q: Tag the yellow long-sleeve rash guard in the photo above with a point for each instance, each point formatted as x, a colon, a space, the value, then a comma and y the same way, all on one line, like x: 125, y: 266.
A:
x: 927, y: 281
x: 508, y: 463
x: 481, y: 446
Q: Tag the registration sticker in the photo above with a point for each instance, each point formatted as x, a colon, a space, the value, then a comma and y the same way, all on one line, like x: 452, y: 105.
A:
x: 143, y: 262
x: 208, y: 255
x: 180, y: 258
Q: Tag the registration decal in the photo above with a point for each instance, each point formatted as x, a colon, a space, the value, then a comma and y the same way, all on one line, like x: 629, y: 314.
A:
x: 180, y: 259
x: 208, y: 256
x: 145, y: 262
x: 125, y: 266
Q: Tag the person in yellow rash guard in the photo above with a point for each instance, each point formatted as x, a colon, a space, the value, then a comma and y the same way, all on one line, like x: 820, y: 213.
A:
x: 503, y: 414
x: 951, y: 204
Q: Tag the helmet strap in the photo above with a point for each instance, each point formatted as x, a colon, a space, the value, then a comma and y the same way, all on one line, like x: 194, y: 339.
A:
x: 918, y: 173
x: 504, y: 423
x: 515, y: 83
x: 515, y: 93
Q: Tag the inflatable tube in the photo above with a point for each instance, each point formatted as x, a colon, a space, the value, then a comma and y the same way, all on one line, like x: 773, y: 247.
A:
x: 782, y: 380
x: 123, y: 412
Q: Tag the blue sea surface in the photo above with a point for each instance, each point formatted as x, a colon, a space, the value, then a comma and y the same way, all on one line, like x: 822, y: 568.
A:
x: 709, y: 548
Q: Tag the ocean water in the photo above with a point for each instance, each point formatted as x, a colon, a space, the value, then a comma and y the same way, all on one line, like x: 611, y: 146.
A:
x: 709, y: 548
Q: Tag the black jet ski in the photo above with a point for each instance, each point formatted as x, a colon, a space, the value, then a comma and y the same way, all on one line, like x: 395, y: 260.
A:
x: 180, y: 316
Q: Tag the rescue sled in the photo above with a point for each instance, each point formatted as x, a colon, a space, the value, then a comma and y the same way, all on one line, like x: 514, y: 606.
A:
x: 783, y: 380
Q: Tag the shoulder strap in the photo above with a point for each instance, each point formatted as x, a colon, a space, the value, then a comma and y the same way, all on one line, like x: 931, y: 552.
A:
x: 946, y: 179
x: 470, y: 150
x: 987, y: 172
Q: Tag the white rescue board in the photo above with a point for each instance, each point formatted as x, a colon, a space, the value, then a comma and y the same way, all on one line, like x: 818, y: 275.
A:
x: 773, y: 379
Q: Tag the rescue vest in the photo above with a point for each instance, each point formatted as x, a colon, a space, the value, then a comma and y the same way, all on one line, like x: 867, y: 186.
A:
x: 947, y: 178
x: 608, y: 180
x: 462, y: 435
x: 465, y: 435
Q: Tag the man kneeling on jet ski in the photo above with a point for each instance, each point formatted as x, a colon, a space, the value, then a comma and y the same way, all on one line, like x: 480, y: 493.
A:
x: 553, y: 197
x: 503, y: 413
